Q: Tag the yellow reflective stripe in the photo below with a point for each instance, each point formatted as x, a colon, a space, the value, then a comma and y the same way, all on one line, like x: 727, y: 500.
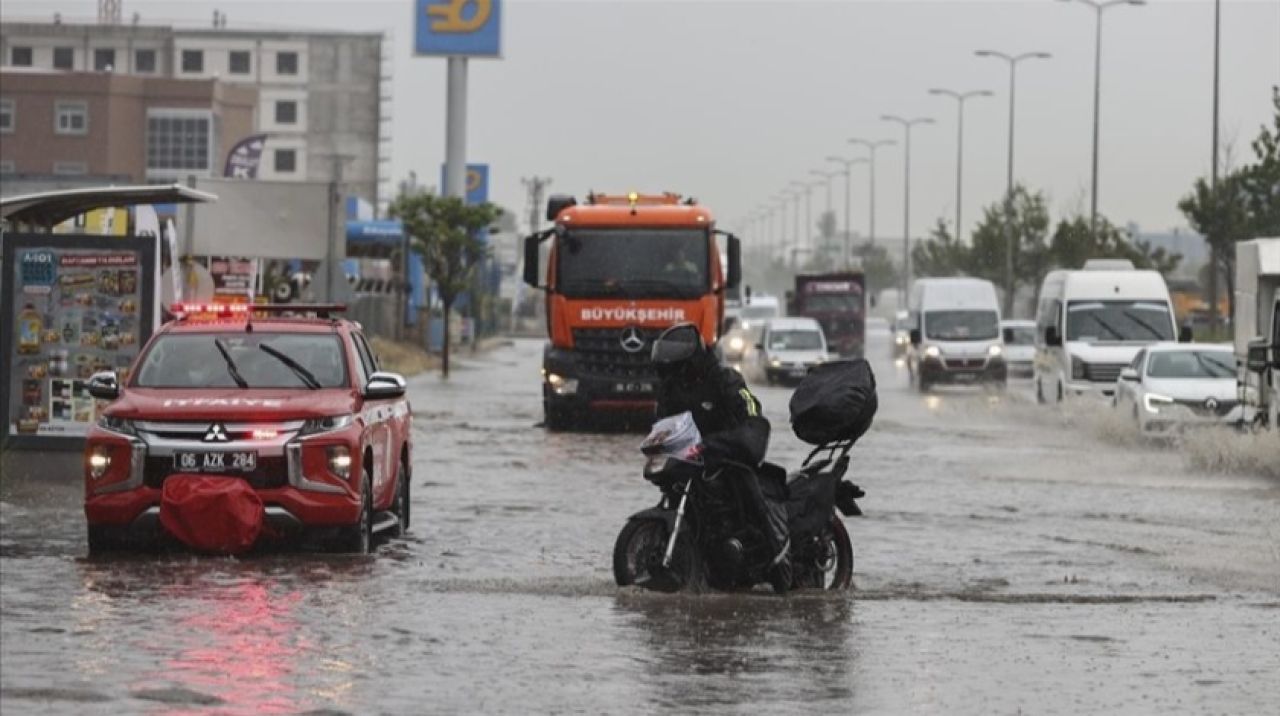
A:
x: 751, y: 402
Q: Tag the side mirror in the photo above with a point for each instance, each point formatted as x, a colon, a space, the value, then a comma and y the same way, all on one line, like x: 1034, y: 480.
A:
x: 532, y: 259
x: 916, y: 338
x: 872, y: 300
x: 1008, y: 336
x: 558, y: 203
x: 759, y: 346
x: 104, y: 386
x: 383, y: 386
x: 1256, y: 360
x: 734, y: 268
x: 1129, y: 374
x: 1184, y: 333
x: 1051, y: 337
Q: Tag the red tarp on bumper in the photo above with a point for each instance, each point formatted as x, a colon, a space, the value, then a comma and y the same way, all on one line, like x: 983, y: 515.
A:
x: 211, y: 513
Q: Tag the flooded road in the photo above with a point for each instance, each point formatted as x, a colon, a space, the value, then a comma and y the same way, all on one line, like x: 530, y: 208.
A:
x: 1012, y: 559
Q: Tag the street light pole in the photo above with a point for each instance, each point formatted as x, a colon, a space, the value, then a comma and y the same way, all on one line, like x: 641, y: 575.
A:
x: 960, y: 98
x: 871, y: 187
x: 848, y: 183
x: 1098, y: 7
x: 906, y: 124
x: 1013, y: 61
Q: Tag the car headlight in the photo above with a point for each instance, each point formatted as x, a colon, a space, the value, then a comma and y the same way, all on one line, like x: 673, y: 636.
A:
x: 339, y: 460
x: 900, y: 339
x: 561, y: 385
x: 1153, y: 401
x: 995, y: 350
x: 324, y: 425
x: 933, y: 352
x: 1077, y: 368
x: 775, y: 362
x: 117, y: 425
x: 736, y: 343
x: 99, y: 461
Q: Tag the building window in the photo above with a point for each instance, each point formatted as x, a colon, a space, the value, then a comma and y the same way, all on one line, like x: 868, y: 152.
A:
x: 104, y: 60
x: 20, y: 57
x: 8, y: 117
x: 179, y: 141
x: 144, y: 61
x: 286, y: 161
x: 70, y: 168
x: 286, y: 63
x: 238, y: 62
x: 64, y: 58
x: 286, y: 112
x: 7, y: 167
x: 193, y: 61
x: 71, y: 117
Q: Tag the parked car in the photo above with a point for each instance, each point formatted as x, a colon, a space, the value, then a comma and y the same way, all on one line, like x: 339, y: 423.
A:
x: 1019, y: 347
x: 1171, y: 386
x: 294, y: 408
x: 788, y: 348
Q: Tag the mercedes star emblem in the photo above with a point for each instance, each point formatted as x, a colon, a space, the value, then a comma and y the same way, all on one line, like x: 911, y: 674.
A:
x: 631, y: 340
x: 217, y: 434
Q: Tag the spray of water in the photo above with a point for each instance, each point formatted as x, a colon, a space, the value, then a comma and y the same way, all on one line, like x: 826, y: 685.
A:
x: 1229, y: 451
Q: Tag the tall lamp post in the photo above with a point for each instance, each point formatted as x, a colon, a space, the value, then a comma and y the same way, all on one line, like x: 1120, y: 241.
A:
x: 1013, y: 61
x: 960, y: 98
x: 1098, y: 7
x: 871, y: 186
x: 826, y: 178
x: 907, y: 124
x: 847, y: 163
x: 807, y: 188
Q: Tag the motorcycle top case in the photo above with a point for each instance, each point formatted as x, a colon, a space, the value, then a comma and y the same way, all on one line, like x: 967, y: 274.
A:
x: 835, y: 401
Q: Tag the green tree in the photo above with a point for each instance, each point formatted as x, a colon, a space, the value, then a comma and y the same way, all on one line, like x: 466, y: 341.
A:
x: 445, y: 230
x: 1073, y: 244
x: 940, y: 254
x: 879, y: 269
x: 1028, y: 218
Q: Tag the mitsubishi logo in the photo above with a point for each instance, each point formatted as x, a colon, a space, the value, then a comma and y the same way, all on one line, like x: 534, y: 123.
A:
x: 631, y: 340
x: 1211, y: 403
x: 217, y: 433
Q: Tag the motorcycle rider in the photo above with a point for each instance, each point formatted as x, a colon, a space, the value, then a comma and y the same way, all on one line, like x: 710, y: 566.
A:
x: 735, y: 433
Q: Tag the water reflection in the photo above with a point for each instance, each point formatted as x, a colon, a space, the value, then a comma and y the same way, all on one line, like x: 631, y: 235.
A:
x: 796, y: 650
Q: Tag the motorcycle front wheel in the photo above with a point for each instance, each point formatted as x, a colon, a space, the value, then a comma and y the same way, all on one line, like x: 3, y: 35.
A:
x: 637, y: 559
x: 829, y: 564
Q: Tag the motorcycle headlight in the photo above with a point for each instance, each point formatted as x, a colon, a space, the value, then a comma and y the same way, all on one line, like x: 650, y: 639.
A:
x: 117, y: 425
x: 933, y: 352
x: 324, y: 425
x: 1153, y: 401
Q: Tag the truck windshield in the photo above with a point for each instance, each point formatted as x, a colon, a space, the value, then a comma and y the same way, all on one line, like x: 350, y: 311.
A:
x: 1118, y: 321
x: 633, y: 263
x: 1192, y: 364
x: 247, y: 360
x: 961, y: 325
x: 833, y: 303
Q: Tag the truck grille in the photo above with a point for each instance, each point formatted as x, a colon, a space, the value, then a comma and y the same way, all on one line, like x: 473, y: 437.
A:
x: 272, y: 471
x: 600, y: 353
x: 1103, y: 372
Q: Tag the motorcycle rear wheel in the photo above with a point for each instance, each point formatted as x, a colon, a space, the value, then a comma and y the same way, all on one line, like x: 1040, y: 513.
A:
x: 831, y: 568
x: 641, y: 543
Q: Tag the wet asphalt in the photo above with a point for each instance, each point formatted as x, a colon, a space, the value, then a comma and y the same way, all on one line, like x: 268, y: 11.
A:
x: 1014, y: 558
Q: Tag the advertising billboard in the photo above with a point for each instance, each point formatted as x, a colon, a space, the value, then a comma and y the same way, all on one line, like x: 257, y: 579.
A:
x: 458, y: 28
x: 81, y: 304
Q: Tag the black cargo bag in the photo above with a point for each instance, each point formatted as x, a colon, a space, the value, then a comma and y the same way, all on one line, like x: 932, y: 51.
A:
x: 835, y: 401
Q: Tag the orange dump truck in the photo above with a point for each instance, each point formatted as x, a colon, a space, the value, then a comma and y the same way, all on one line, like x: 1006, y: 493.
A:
x: 621, y: 269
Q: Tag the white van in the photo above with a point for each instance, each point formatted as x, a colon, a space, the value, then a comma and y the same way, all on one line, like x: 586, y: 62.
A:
x: 1090, y: 324
x: 955, y: 333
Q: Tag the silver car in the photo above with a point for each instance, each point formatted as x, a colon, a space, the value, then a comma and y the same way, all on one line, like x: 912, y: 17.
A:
x: 1171, y: 386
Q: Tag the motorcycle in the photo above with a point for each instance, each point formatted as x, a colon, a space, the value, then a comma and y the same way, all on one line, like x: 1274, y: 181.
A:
x: 701, y: 536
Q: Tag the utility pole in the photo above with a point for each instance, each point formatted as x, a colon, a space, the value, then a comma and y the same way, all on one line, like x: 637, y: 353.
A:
x: 871, y: 186
x: 1213, y: 171
x: 906, y: 124
x: 337, y: 227
x: 960, y: 98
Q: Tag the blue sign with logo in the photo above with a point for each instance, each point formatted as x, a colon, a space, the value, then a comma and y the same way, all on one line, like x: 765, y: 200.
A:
x: 477, y: 183
x: 461, y: 28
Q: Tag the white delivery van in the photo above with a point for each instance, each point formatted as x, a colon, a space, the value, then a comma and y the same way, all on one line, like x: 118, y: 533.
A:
x: 1257, y: 329
x: 1091, y: 323
x: 955, y: 333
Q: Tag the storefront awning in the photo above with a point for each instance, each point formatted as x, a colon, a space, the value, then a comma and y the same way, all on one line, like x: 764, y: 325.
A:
x: 53, y: 207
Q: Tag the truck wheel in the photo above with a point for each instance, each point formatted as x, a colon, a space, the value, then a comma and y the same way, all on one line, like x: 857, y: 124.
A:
x: 401, y: 506
x: 358, y: 538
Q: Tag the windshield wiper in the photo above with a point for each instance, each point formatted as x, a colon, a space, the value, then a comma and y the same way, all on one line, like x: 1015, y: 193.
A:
x: 231, y: 364
x: 307, y: 377
x: 1108, y: 327
x: 1213, y: 368
x: 1150, y: 328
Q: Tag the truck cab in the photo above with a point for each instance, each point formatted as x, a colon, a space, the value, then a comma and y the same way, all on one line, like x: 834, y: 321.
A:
x: 619, y: 270
x: 1257, y: 330
x: 837, y: 301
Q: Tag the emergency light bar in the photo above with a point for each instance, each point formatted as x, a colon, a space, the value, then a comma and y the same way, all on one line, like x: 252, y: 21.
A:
x: 246, y: 310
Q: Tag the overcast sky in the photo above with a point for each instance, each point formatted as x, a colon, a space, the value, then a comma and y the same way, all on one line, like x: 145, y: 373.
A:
x: 733, y: 100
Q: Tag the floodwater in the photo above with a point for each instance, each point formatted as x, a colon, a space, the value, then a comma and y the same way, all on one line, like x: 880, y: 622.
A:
x: 1013, y: 559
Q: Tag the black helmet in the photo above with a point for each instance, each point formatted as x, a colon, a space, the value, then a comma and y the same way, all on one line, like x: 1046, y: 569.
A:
x: 679, y: 351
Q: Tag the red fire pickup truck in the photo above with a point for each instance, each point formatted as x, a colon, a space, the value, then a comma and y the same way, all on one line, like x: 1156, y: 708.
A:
x: 286, y: 399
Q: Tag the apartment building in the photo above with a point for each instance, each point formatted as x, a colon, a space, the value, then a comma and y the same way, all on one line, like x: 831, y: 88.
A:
x: 319, y: 96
